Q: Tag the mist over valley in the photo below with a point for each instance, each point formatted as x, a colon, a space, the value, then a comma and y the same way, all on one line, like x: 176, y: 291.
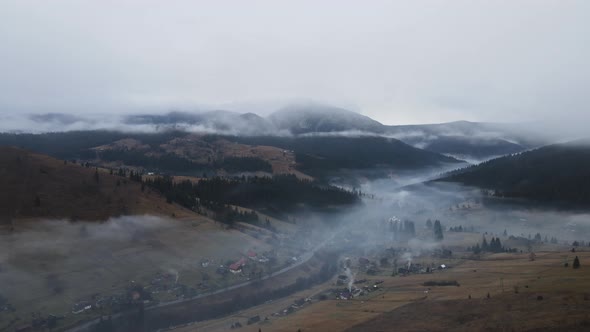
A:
x: 294, y: 166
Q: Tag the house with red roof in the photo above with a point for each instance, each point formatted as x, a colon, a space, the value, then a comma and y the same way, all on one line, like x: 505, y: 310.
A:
x: 252, y: 255
x: 237, y: 266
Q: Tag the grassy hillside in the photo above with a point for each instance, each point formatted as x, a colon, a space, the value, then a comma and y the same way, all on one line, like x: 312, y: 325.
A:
x: 35, y: 185
x: 555, y: 173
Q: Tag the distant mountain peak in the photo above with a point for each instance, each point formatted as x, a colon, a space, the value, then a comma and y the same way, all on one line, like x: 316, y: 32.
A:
x: 251, y: 116
x: 310, y: 118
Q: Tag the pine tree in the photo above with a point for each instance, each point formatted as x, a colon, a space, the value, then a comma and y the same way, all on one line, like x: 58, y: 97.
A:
x: 484, y: 245
x: 476, y: 249
x: 496, y: 245
x: 576, y: 264
x: 438, y: 232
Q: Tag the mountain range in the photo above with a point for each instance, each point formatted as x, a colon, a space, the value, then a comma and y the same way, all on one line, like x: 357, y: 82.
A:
x: 471, y: 141
x: 307, y: 138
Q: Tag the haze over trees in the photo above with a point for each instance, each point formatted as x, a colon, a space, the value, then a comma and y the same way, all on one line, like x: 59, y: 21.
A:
x: 176, y: 167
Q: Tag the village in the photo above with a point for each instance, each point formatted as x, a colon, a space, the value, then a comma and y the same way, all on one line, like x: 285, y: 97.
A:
x: 362, y: 270
x: 188, y: 277
x: 358, y: 278
x: 369, y: 258
x: 370, y: 275
x: 165, y: 286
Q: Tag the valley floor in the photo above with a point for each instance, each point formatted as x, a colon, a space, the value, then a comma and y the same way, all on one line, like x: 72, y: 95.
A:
x: 524, y: 295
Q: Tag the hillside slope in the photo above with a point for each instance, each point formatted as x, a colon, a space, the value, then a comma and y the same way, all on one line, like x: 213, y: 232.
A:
x: 38, y: 186
x: 179, y: 152
x: 477, y: 141
x: 318, y: 155
x: 555, y: 173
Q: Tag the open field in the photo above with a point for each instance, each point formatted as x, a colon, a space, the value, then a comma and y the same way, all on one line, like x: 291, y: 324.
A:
x: 540, y: 295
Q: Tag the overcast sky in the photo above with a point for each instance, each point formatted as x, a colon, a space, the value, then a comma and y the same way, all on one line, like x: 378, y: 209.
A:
x: 396, y: 61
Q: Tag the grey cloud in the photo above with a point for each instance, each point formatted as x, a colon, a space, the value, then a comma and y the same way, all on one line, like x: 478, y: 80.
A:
x: 396, y: 61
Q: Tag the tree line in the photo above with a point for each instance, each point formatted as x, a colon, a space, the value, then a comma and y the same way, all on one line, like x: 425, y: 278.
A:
x: 275, y: 195
x: 557, y: 173
x: 494, y: 246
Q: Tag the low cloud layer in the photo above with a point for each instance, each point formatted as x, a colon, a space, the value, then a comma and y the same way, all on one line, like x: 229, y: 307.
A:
x: 399, y: 62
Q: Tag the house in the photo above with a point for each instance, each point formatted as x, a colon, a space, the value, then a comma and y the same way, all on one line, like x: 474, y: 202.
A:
x: 356, y: 292
x: 80, y: 307
x: 345, y: 296
x: 363, y: 261
x: 253, y: 320
x: 237, y: 266
x: 299, y: 302
x: 252, y: 255
x: 221, y: 270
x: 263, y: 259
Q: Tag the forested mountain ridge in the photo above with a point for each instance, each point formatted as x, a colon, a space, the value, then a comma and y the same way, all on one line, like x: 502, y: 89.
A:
x: 179, y: 152
x: 461, y: 139
x: 554, y: 173
x: 318, y: 155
